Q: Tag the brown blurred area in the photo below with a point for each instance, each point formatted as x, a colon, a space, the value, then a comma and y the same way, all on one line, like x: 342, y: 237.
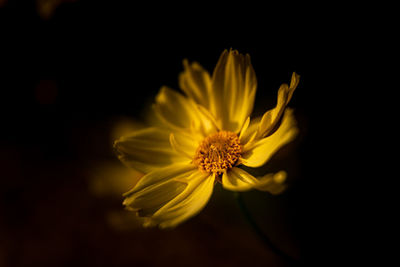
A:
x: 75, y: 75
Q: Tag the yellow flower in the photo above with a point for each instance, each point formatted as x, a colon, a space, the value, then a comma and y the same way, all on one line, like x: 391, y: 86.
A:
x: 203, y: 137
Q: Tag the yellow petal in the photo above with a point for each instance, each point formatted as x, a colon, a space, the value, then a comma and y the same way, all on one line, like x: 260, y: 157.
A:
x: 182, y: 114
x: 157, y: 188
x: 271, y: 118
x: 237, y: 179
x: 188, y: 203
x: 183, y: 144
x: 167, y: 200
x: 248, y: 133
x: 147, y: 149
x: 234, y: 86
x: 272, y: 182
x: 196, y: 83
x: 260, y: 151
x: 147, y: 202
x: 244, y: 128
x: 163, y: 174
x: 175, y: 109
x: 209, y: 123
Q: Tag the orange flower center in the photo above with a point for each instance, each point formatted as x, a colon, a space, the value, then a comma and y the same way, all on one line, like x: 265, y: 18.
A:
x: 218, y: 152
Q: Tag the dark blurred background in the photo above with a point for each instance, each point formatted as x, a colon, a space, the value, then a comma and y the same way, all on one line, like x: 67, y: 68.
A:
x: 77, y: 74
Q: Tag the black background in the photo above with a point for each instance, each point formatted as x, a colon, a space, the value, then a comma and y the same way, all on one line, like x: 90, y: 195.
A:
x: 65, y: 79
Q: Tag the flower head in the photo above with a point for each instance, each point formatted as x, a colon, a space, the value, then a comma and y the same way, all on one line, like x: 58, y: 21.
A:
x: 202, y: 137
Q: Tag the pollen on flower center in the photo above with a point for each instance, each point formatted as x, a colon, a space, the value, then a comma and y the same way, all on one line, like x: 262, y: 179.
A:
x: 218, y: 152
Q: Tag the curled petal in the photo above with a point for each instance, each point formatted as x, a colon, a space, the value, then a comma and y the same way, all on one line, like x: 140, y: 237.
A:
x: 272, y: 182
x: 257, y: 153
x: 239, y: 180
x: 272, y: 117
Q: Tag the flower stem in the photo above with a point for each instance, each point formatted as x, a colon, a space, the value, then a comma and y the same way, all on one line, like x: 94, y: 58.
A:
x: 260, y: 233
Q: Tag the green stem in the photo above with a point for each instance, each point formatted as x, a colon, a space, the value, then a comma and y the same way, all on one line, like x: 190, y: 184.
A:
x: 260, y: 233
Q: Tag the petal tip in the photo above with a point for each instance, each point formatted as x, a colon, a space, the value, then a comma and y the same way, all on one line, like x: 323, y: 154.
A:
x: 280, y: 177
